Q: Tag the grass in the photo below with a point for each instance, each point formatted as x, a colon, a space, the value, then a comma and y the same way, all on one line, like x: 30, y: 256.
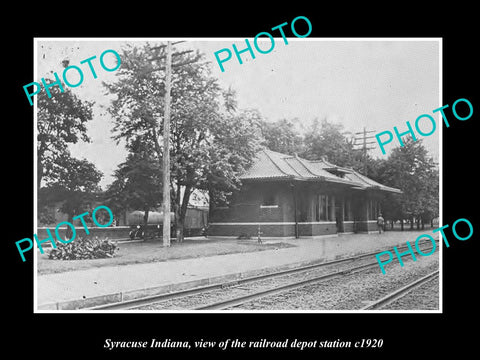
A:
x: 152, y: 251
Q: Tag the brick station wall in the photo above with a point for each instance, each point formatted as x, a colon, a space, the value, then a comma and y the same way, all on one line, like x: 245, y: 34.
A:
x: 248, y: 208
x: 317, y: 229
x: 245, y: 230
x: 366, y: 226
x: 348, y: 226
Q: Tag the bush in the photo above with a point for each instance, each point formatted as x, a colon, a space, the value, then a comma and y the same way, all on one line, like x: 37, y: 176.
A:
x: 84, y: 248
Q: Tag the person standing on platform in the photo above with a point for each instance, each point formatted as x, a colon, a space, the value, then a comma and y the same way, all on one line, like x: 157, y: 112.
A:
x: 380, y: 222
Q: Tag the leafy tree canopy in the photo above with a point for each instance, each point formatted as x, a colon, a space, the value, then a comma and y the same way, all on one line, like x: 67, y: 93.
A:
x: 410, y: 169
x: 61, y: 120
x: 282, y: 136
x: 76, y: 186
x: 211, y: 141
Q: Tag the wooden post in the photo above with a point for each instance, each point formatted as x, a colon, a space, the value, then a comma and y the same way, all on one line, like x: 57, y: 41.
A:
x: 259, y: 235
x: 166, y: 149
x: 292, y: 185
x: 166, y: 128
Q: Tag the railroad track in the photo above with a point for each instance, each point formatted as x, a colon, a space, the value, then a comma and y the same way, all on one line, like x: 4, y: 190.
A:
x: 402, y: 292
x: 238, y: 300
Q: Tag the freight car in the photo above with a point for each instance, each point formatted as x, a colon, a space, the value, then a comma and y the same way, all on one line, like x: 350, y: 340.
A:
x: 196, y: 222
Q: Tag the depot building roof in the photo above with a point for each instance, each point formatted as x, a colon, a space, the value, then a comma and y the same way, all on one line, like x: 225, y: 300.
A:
x: 270, y: 165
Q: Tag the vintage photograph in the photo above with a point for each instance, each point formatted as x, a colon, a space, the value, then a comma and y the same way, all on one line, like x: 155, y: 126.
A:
x: 169, y: 179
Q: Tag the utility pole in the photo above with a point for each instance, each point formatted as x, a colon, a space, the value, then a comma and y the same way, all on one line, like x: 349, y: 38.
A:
x: 166, y: 148
x: 166, y: 128
x: 364, y: 144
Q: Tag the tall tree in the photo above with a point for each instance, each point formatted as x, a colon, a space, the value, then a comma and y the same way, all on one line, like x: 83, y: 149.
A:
x: 61, y: 120
x: 76, y: 186
x: 430, y: 202
x: 196, y: 120
x: 235, y: 142
x: 326, y: 139
x: 282, y: 136
x: 137, y: 184
x: 410, y: 169
x: 79, y: 178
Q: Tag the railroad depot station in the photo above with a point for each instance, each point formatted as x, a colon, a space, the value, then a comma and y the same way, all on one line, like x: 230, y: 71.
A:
x: 287, y: 196
x: 281, y: 196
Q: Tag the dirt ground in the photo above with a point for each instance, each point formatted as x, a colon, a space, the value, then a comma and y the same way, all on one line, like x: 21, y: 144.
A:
x: 152, y: 251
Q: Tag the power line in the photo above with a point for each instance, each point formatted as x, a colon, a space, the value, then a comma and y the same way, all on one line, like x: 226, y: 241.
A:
x: 364, y: 144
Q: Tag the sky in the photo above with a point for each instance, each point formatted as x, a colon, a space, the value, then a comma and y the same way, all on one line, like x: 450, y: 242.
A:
x: 371, y: 83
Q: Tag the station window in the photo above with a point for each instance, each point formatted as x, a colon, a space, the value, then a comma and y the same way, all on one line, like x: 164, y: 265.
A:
x: 373, y: 210
x: 347, y: 210
x: 323, y: 207
x: 269, y: 200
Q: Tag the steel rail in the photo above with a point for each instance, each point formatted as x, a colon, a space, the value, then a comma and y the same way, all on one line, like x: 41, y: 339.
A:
x: 128, y: 304
x: 400, y: 293
x: 134, y: 303
x: 279, y: 289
